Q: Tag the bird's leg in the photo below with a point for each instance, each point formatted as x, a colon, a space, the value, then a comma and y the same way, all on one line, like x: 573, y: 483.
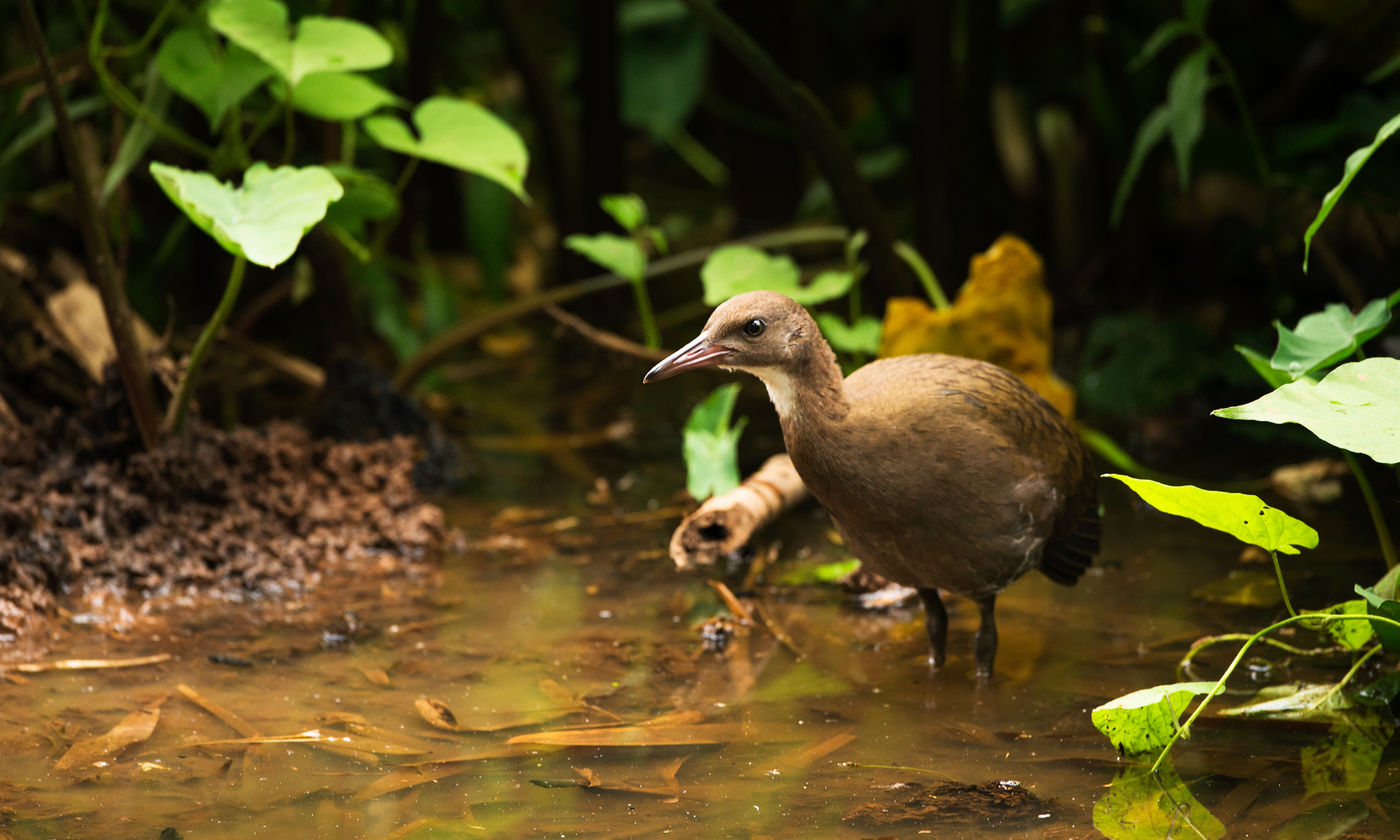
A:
x: 984, y: 647
x: 936, y: 623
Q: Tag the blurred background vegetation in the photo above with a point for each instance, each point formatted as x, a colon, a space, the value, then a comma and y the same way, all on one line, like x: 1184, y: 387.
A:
x: 1163, y: 157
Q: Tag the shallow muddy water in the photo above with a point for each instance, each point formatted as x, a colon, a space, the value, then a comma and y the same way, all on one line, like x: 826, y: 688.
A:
x: 559, y: 654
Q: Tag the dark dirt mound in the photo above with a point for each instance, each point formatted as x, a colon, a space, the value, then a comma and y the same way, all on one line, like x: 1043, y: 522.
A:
x: 231, y: 515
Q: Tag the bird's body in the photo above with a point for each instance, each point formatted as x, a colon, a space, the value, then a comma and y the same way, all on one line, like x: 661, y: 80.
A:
x: 941, y: 472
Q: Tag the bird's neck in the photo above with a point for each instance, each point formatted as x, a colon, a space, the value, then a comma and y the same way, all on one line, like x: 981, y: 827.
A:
x: 808, y: 393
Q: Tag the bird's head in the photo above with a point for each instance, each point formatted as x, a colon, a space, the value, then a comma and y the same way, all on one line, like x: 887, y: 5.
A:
x: 755, y: 332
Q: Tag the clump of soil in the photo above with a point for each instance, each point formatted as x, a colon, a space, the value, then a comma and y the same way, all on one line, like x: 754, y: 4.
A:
x: 989, y: 804
x: 234, y: 515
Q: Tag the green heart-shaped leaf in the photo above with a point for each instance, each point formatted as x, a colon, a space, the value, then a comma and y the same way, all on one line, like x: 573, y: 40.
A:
x: 736, y: 269
x: 619, y: 254
x: 1324, y: 338
x: 320, y: 43
x: 341, y: 96
x: 1240, y: 515
x: 1144, y: 721
x: 861, y: 337
x: 1356, y: 407
x: 215, y: 80
x: 265, y: 218
x: 711, y: 445
x: 458, y: 133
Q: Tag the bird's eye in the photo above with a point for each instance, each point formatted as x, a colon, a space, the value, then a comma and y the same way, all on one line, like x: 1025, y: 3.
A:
x: 755, y: 327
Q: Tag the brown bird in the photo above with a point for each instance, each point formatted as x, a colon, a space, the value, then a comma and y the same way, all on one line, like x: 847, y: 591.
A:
x: 941, y: 472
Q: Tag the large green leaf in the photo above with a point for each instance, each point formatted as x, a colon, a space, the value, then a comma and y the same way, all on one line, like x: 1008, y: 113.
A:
x: 711, y: 445
x: 735, y: 269
x: 1144, y: 721
x: 1240, y: 515
x: 1324, y: 338
x: 1356, y: 407
x: 619, y: 254
x: 320, y: 43
x: 1143, y: 805
x: 861, y: 337
x: 458, y: 133
x: 341, y: 96
x: 1387, y: 633
x: 213, y: 79
x: 1355, y: 161
x: 265, y: 218
x: 1186, y: 108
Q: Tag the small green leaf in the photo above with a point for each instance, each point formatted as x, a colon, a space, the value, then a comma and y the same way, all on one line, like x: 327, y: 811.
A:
x: 1240, y: 515
x: 619, y: 254
x: 734, y: 269
x: 628, y: 210
x: 1383, y: 691
x: 1387, y: 633
x: 1352, y: 635
x: 458, y: 133
x: 1186, y: 108
x: 861, y: 337
x: 341, y: 96
x: 1163, y: 35
x: 1355, y: 161
x: 1145, y: 720
x: 265, y: 218
x: 1153, y: 128
x: 1356, y: 407
x: 213, y: 79
x: 711, y: 445
x: 1261, y: 366
x: 1324, y: 338
x: 820, y: 573
x: 320, y: 43
x: 1143, y: 805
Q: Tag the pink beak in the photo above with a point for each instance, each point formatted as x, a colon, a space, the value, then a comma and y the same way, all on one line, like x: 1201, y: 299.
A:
x: 698, y: 353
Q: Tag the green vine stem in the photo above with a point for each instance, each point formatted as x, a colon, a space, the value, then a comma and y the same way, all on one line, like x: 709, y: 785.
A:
x: 179, y: 407
x: 1373, y: 506
x: 924, y: 272
x: 1219, y: 687
x: 1188, y: 662
x: 123, y: 98
x: 1282, y: 588
x: 651, y: 336
x: 1346, y: 678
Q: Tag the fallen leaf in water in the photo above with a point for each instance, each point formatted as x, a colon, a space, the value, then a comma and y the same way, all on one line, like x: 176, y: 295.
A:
x: 436, y: 713
x: 635, y: 736
x: 377, y: 676
x: 233, y: 721
x: 133, y: 729
x: 1246, y: 587
x: 424, y: 772
x: 589, y: 779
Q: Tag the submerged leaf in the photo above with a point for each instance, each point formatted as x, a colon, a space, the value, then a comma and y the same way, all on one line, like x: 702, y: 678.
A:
x: 265, y: 218
x: 133, y: 729
x: 1245, y: 587
x: 635, y: 736
x: 1294, y: 701
x: 1145, y: 720
x: 1355, y: 407
x: 1324, y: 338
x: 1240, y: 515
x: 1347, y: 761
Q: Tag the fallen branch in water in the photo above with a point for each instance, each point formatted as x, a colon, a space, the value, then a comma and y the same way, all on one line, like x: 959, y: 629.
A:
x: 82, y: 664
x: 724, y: 523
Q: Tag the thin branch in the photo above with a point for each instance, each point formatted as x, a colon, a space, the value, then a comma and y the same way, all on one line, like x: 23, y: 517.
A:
x: 603, y: 338
x: 131, y: 360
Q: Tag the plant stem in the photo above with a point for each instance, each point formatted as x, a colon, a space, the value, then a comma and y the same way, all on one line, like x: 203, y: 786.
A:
x: 650, y: 336
x: 123, y: 98
x: 179, y: 407
x: 1261, y: 162
x: 1373, y: 506
x: 1346, y: 678
x: 924, y: 272
x: 1321, y: 618
x: 1282, y: 587
x: 131, y: 359
x: 458, y: 334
